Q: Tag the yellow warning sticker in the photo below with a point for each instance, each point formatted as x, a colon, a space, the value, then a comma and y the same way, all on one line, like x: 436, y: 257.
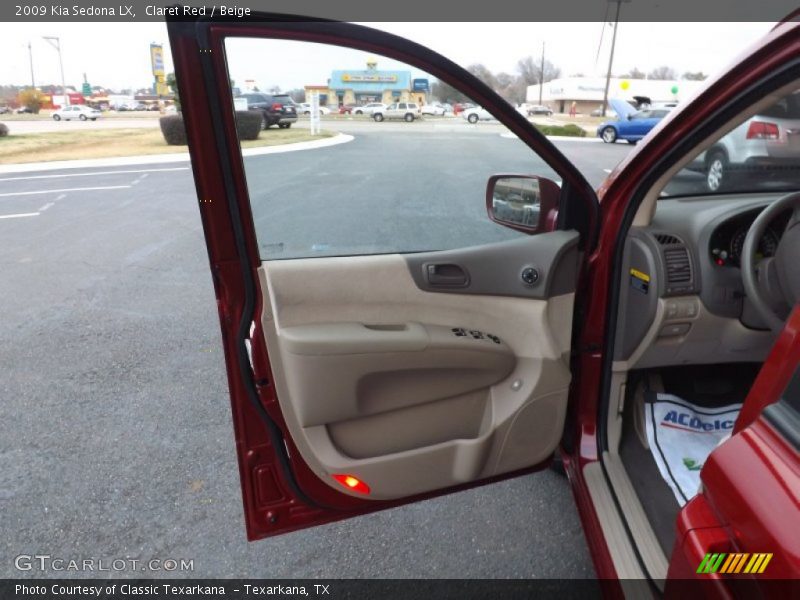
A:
x: 639, y: 275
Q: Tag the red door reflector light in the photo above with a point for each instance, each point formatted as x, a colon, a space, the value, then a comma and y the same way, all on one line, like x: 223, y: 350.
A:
x: 351, y: 482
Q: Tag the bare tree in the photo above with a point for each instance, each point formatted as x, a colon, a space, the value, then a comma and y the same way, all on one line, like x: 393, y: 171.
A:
x: 662, y: 73
x: 297, y: 94
x: 530, y: 70
x: 511, y: 87
x: 634, y: 73
x: 696, y: 76
x: 445, y: 92
x: 484, y: 74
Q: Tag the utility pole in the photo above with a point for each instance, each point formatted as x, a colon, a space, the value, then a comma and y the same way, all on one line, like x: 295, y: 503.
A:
x: 30, y: 55
x: 611, y: 56
x: 55, y: 42
x: 541, y: 77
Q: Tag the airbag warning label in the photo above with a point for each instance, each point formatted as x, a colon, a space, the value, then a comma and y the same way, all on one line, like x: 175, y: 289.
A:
x: 640, y: 281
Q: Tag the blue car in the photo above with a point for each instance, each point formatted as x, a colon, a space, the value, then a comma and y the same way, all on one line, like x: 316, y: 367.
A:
x: 632, y: 125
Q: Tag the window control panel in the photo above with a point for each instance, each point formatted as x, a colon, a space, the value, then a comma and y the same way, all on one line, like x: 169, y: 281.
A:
x: 475, y: 334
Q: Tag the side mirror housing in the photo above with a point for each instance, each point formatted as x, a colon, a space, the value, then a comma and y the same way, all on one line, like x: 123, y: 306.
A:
x: 527, y: 203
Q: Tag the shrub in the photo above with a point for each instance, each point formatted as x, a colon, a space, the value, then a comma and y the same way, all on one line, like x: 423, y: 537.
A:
x: 173, y: 130
x: 248, y: 124
x: 3, y: 130
x: 570, y: 130
x: 31, y: 99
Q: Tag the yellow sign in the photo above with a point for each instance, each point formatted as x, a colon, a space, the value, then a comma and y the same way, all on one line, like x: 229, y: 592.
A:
x: 369, y: 78
x: 157, y: 59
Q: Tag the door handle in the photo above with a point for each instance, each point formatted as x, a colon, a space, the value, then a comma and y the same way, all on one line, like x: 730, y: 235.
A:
x: 446, y: 274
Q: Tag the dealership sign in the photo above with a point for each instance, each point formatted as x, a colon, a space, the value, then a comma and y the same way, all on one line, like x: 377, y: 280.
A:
x: 369, y: 78
x: 420, y: 85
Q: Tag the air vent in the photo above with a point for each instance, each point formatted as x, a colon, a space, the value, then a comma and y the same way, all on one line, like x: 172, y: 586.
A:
x: 679, y: 270
x: 666, y: 239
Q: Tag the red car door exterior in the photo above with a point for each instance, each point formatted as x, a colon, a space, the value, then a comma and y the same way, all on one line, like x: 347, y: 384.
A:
x: 739, y: 535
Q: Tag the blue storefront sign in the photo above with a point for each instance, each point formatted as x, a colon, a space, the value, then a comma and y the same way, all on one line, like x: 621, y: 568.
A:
x: 420, y: 85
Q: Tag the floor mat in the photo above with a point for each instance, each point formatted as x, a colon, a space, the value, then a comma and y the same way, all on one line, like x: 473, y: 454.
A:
x: 681, y: 436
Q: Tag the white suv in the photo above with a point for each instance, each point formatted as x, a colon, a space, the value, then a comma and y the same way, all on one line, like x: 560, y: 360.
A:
x: 408, y: 111
x: 764, y: 145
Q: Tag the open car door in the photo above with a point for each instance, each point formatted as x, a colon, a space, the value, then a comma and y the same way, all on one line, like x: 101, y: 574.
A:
x: 385, y: 341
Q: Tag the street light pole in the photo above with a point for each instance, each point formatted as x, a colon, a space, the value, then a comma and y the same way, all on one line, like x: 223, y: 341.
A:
x: 30, y: 54
x: 55, y: 42
x: 541, y: 77
x: 611, y: 56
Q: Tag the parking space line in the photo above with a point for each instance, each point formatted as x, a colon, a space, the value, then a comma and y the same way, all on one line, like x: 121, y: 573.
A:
x: 85, y: 189
x: 18, y: 215
x: 127, y: 171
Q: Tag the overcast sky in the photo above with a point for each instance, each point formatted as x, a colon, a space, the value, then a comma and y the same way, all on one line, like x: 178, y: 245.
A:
x: 116, y: 55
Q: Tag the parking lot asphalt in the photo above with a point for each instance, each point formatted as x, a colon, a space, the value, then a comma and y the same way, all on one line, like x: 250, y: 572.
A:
x: 116, y: 437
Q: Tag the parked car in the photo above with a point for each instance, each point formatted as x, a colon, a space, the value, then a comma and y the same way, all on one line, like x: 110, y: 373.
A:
x: 539, y: 109
x: 346, y: 109
x: 435, y: 109
x: 305, y: 109
x: 476, y: 113
x: 368, y: 109
x: 631, y: 125
x: 364, y: 374
x: 24, y: 110
x: 460, y: 107
x: 766, y: 145
x: 407, y: 111
x: 77, y: 111
x: 4, y: 110
x: 276, y: 109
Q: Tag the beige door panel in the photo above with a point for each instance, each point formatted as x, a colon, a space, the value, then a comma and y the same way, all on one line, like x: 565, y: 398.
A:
x: 373, y: 382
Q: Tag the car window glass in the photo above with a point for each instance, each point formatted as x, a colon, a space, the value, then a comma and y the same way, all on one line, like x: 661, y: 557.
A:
x: 762, y: 153
x: 369, y: 185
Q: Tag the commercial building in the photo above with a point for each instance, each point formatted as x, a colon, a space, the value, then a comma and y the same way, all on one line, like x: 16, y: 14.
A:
x: 362, y: 86
x: 587, y: 92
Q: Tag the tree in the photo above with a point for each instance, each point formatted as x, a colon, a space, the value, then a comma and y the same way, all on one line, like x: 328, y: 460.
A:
x: 696, y: 76
x: 31, y: 99
x: 297, y: 94
x: 511, y: 87
x: 444, y: 92
x: 663, y: 73
x: 173, y: 85
x: 634, y: 73
x: 530, y: 70
x: 484, y: 74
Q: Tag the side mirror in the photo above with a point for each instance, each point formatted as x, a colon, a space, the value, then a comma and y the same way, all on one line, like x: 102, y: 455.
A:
x: 523, y: 202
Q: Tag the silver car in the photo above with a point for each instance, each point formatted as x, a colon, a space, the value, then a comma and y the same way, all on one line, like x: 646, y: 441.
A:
x: 765, y: 145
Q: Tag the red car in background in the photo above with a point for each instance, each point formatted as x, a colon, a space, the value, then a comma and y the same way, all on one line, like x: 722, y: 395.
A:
x: 346, y: 109
x: 611, y: 290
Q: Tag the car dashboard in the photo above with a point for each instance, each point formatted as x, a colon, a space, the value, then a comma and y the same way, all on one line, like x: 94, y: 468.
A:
x: 682, y: 300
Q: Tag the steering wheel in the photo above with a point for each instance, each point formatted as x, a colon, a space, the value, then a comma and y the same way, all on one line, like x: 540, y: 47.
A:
x: 773, y: 285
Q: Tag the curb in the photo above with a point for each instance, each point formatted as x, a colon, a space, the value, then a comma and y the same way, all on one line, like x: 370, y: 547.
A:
x: 560, y: 138
x: 123, y: 161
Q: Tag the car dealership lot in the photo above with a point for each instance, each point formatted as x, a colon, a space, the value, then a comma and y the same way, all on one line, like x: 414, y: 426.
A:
x: 116, y: 441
